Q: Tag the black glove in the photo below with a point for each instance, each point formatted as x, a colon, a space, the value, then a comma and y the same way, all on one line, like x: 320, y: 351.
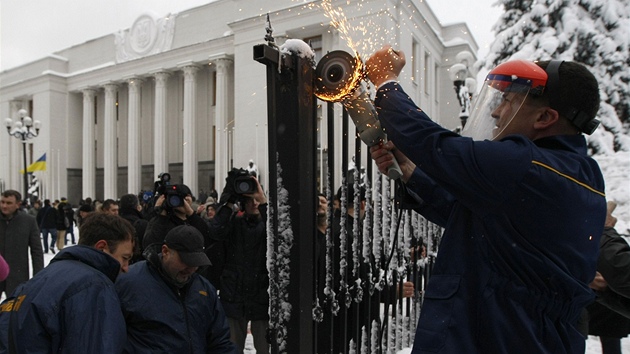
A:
x: 229, y: 195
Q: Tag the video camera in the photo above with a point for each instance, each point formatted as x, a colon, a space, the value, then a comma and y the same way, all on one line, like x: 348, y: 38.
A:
x: 174, y: 194
x: 244, y: 182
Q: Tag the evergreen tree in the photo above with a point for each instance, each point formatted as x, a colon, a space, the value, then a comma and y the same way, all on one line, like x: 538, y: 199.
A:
x: 595, y: 33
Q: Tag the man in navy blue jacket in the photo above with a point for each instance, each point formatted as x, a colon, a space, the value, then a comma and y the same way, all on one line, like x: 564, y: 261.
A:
x: 168, y: 307
x: 71, y: 306
x: 522, y: 204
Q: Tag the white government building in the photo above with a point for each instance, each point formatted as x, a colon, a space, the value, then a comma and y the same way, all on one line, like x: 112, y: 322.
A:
x: 181, y: 93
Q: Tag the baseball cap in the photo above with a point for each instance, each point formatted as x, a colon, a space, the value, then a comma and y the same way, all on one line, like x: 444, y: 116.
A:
x: 188, y: 242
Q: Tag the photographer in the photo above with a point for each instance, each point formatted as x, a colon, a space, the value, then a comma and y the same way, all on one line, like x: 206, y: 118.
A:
x: 244, y: 279
x: 173, y: 208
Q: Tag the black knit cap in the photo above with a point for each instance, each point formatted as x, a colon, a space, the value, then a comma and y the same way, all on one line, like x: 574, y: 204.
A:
x: 188, y: 242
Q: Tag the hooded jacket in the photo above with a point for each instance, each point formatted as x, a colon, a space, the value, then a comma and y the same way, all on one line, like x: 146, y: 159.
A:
x: 522, y: 226
x: 70, y: 306
x: 164, y: 319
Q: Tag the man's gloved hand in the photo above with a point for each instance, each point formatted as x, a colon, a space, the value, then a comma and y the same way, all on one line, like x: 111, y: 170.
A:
x: 229, y: 195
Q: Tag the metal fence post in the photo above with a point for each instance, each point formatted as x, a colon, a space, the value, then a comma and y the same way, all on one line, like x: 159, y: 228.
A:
x: 292, y: 122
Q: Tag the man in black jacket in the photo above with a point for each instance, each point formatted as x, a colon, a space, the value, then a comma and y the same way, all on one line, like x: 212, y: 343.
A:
x: 167, y: 217
x: 130, y: 210
x: 47, y: 221
x: 244, y: 279
x: 608, y: 315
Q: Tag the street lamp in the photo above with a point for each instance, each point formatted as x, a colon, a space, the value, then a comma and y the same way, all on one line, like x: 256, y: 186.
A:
x: 464, y: 85
x: 24, y: 129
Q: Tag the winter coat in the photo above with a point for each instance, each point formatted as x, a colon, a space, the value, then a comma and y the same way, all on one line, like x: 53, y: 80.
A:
x: 69, y: 307
x: 17, y: 236
x: 140, y: 225
x: 69, y: 213
x: 163, y: 319
x: 244, y: 280
x: 47, y: 217
x: 608, y: 316
x: 160, y: 225
x: 522, y: 226
x: 61, y: 217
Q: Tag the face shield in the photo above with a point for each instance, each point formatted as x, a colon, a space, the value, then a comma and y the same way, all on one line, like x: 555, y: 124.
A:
x: 502, y: 95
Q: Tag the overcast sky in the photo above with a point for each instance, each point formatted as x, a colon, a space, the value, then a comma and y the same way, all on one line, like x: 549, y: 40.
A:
x: 32, y: 29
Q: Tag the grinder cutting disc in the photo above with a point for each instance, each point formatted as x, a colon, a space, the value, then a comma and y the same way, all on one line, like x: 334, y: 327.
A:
x: 337, y: 74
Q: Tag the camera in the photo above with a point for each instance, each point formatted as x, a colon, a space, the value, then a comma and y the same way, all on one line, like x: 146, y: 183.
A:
x: 159, y: 187
x: 174, y: 196
x: 339, y: 78
x: 244, y: 182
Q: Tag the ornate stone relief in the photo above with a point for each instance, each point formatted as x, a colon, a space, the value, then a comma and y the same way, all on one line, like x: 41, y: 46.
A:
x: 149, y: 35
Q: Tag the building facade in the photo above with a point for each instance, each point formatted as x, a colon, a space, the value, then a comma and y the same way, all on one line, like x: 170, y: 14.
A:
x: 182, y: 94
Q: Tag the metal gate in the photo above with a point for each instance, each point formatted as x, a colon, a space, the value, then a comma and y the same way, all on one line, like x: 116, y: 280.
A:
x: 339, y: 291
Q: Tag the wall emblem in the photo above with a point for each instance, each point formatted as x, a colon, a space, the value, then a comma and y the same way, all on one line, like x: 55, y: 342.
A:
x: 148, y: 35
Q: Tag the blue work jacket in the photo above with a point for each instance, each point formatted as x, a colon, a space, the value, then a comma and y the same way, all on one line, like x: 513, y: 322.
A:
x: 70, y: 306
x: 164, y: 319
x: 522, y: 224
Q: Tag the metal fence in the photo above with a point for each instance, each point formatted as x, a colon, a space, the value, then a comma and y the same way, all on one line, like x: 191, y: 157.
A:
x: 340, y: 291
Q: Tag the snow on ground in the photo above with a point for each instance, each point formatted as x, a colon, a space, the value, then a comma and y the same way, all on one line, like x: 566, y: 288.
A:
x: 592, y: 346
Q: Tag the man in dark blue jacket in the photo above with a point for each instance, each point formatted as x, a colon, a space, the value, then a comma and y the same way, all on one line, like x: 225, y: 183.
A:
x: 71, y: 306
x: 523, y: 210
x: 168, y: 307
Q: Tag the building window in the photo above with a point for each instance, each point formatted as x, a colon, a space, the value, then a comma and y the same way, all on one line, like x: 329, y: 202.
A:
x: 427, y: 57
x: 436, y: 71
x: 316, y: 45
x: 214, y: 88
x: 414, y: 62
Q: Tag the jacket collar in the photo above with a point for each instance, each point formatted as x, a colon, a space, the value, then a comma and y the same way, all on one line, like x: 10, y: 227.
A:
x: 574, y: 143
x: 96, y: 259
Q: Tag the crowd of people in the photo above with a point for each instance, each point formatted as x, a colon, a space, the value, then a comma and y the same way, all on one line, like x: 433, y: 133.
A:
x: 514, y: 272
x: 155, y: 245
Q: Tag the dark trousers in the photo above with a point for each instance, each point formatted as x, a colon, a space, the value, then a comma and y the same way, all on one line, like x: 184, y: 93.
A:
x: 70, y: 231
x: 610, y: 345
x: 53, y: 238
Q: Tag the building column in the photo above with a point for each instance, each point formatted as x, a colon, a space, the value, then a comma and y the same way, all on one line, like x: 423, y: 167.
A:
x: 160, y: 148
x: 89, y: 146
x: 134, y: 138
x: 221, y: 148
x: 110, y: 148
x: 191, y: 174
